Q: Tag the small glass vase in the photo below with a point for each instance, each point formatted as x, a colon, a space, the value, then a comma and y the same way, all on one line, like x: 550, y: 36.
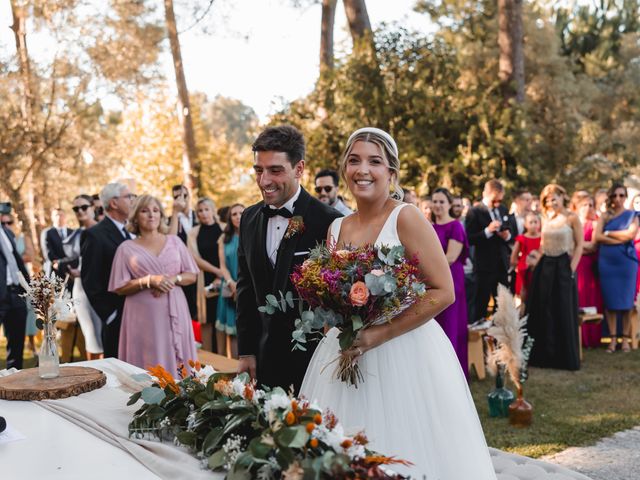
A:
x: 48, y: 359
x: 500, y: 398
x: 520, y: 411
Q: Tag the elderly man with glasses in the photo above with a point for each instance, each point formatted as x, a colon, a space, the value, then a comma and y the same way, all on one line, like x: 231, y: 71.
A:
x: 327, y: 191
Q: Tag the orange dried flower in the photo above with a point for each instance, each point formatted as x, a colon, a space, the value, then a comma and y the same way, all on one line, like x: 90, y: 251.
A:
x: 317, y: 418
x: 248, y: 392
x: 313, y: 443
x: 346, y: 444
x: 382, y: 460
x: 165, y: 379
x: 294, y: 405
x: 290, y: 418
x: 361, y: 439
x: 310, y: 427
x: 183, y: 371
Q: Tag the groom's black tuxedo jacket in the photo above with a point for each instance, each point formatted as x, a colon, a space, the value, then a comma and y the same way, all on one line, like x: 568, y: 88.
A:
x: 268, y: 337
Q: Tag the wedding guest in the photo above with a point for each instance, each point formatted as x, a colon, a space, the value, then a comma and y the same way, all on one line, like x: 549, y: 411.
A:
x: 535, y: 205
x: 526, y: 251
x: 13, y: 309
x: 98, y: 209
x: 589, y: 295
x: 453, y: 239
x: 183, y: 219
x: 88, y: 319
x: 466, y: 206
x: 491, y: 230
x: 327, y: 183
x: 203, y: 245
x: 552, y: 303
x: 223, y: 216
x: 600, y: 198
x: 617, y: 263
x: 635, y: 203
x: 425, y: 206
x: 54, y: 238
x: 410, y: 197
x: 98, y: 246
x: 156, y: 325
x: 456, y: 208
x: 25, y: 249
x: 226, y: 335
x: 522, y: 205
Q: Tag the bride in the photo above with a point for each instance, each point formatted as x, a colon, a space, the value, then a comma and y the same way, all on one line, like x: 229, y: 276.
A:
x: 414, y: 402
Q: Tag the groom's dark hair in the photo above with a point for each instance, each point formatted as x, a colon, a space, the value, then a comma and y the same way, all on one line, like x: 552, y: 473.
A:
x: 283, y: 138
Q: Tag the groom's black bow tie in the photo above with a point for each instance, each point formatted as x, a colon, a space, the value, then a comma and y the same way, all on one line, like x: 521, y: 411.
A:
x: 273, y: 212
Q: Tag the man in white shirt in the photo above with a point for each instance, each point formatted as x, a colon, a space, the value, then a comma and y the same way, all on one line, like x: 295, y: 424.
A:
x: 276, y: 235
x: 327, y: 182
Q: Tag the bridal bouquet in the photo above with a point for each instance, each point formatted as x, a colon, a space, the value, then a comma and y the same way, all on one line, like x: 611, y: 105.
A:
x: 351, y: 289
x: 247, y: 432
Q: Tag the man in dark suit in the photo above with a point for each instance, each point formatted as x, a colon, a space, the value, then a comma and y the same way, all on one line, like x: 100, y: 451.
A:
x: 98, y: 247
x: 13, y: 309
x: 491, y: 230
x: 270, y: 247
x: 54, y: 239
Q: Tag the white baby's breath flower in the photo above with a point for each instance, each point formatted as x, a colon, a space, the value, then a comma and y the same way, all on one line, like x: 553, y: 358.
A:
x: 238, y: 387
x: 204, y: 373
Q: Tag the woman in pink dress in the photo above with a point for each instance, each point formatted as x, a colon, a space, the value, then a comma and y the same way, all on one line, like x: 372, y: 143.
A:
x: 589, y: 294
x: 156, y: 324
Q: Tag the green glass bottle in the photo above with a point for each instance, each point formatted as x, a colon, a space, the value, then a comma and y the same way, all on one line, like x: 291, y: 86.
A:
x: 500, y: 398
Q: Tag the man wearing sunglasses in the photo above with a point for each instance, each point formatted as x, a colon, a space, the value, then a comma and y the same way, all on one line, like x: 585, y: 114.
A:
x: 327, y: 191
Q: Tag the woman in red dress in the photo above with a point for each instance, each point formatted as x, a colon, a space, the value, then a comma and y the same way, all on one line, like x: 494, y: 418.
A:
x: 589, y: 295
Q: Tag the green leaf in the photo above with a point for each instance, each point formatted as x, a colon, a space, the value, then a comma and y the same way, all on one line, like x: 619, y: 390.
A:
x: 289, y: 298
x: 236, y: 421
x: 357, y: 322
x: 217, y: 460
x: 239, y: 474
x: 153, y: 395
x: 292, y: 437
x: 134, y: 398
x: 187, y: 438
x: 211, y: 440
x: 259, y: 449
x: 272, y: 300
x: 346, y: 338
x: 141, y: 377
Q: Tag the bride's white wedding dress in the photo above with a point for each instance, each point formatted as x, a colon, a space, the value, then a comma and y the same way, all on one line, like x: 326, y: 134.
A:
x: 414, y: 402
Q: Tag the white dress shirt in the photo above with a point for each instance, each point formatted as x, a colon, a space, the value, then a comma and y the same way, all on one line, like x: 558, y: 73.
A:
x: 494, y: 213
x: 276, y: 227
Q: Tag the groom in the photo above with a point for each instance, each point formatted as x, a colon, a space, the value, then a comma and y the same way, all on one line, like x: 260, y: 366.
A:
x: 275, y: 236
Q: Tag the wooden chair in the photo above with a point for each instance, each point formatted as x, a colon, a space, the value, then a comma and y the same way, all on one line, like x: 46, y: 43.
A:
x: 218, y: 362
x: 476, y: 352
x: 595, y: 318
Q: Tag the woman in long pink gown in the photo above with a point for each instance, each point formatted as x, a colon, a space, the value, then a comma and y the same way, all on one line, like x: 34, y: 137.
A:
x: 589, y: 294
x: 156, y: 324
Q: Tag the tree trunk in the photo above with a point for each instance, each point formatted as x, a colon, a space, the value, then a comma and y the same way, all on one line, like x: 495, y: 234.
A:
x: 326, y: 34
x: 510, y: 41
x: 358, y: 18
x: 19, y: 12
x: 190, y: 166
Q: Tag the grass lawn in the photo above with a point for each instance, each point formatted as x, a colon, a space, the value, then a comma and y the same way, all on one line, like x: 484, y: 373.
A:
x: 570, y: 408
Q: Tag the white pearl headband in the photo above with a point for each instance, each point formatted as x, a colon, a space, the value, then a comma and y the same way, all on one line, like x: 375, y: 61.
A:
x: 378, y: 132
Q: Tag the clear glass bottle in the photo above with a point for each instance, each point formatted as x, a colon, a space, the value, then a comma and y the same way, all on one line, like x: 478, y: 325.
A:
x: 48, y: 359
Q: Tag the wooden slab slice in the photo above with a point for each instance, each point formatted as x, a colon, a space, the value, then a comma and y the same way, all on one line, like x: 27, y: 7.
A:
x: 27, y: 385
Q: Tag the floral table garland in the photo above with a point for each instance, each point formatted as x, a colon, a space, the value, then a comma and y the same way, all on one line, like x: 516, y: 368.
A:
x: 249, y: 432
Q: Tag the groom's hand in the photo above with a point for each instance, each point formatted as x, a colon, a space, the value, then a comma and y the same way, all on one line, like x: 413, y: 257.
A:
x: 247, y: 364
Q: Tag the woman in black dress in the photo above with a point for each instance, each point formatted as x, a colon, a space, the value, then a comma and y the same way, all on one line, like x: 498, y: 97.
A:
x: 203, y: 243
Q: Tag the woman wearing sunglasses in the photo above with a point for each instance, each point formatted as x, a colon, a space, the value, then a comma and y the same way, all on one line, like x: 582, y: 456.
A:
x: 88, y: 319
x: 617, y: 263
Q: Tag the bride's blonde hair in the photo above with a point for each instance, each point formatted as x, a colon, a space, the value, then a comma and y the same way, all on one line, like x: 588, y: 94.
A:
x: 388, y: 152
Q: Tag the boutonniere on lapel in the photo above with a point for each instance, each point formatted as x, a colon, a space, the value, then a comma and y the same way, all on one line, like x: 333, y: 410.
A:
x: 295, y: 227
